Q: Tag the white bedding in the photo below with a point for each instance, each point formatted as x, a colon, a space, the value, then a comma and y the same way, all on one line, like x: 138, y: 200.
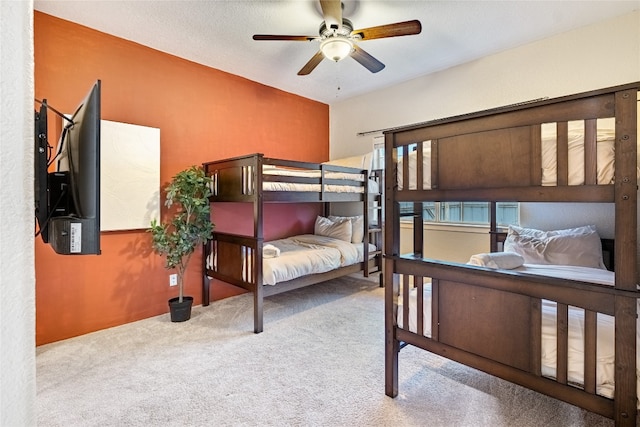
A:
x: 605, y: 156
x: 334, y: 188
x: 310, y: 254
x: 303, y: 255
x: 605, y: 333
x: 316, y: 188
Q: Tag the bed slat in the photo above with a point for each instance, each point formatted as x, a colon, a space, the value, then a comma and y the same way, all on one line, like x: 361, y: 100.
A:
x: 536, y: 154
x: 562, y: 149
x: 420, y: 306
x: 434, y: 163
x: 590, y: 153
x: 405, y: 299
x: 590, y: 340
x: 419, y: 167
x: 536, y: 336
x: 435, y: 310
x: 405, y: 166
x: 563, y: 342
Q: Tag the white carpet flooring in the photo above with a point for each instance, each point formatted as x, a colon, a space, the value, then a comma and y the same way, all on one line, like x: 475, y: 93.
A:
x: 319, y: 362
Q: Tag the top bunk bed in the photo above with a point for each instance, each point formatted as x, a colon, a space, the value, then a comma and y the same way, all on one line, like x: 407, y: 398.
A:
x: 265, y: 261
x: 250, y: 177
x: 578, y: 148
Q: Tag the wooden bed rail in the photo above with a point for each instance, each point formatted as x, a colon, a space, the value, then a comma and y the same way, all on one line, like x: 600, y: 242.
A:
x: 499, y: 156
x: 233, y: 259
x: 510, y: 308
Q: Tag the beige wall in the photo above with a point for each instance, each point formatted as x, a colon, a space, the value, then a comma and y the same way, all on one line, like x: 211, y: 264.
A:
x: 597, y: 56
x: 446, y: 242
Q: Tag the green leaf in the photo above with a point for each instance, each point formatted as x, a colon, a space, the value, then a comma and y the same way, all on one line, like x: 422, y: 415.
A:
x: 190, y: 224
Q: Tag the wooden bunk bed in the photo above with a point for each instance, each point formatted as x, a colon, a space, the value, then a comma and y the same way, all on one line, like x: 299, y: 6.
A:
x: 491, y: 319
x: 258, y: 180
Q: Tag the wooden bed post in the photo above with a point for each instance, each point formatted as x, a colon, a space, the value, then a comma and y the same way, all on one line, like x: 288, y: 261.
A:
x: 365, y: 215
x: 258, y: 233
x: 206, y: 285
x: 625, y: 399
x: 391, y: 248
x: 493, y: 227
x: 206, y: 250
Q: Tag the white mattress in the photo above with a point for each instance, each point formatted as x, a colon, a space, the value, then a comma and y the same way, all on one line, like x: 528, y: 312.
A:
x: 309, y: 254
x: 605, y: 333
x: 303, y: 255
x: 316, y: 188
x: 605, y: 156
x: 334, y: 188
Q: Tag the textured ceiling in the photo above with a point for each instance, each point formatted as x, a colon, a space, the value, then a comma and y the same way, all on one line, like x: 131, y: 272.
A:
x: 218, y: 34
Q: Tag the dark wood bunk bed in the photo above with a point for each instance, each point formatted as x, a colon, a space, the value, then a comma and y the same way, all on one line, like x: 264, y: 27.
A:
x: 246, y: 179
x: 495, y: 156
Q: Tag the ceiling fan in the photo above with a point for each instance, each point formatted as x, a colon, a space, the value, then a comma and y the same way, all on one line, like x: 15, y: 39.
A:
x: 338, y: 39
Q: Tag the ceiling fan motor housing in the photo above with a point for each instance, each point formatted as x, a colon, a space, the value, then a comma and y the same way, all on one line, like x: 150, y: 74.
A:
x: 346, y: 29
x: 336, y: 43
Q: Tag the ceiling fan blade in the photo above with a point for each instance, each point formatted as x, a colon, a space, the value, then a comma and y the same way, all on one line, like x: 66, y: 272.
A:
x: 313, y: 63
x: 368, y: 61
x: 287, y: 38
x: 332, y: 12
x: 406, y: 28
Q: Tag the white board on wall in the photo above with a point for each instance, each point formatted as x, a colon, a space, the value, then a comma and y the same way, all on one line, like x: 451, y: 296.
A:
x: 129, y: 176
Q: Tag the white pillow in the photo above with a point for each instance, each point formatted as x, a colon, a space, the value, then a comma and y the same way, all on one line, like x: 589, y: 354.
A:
x: 341, y: 230
x: 367, y: 161
x: 349, y: 162
x: 579, y: 246
x: 357, y: 226
x: 505, y: 260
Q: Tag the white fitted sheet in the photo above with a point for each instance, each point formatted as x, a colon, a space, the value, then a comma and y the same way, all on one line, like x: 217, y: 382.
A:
x: 310, y: 254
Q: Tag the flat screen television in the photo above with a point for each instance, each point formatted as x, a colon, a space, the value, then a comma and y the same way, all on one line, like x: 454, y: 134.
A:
x: 67, y: 200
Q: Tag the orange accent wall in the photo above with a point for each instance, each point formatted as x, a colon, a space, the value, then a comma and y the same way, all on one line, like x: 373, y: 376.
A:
x: 203, y: 114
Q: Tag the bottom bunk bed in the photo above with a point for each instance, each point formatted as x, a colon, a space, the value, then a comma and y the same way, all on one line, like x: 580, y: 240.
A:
x: 543, y: 326
x: 568, y: 328
x: 555, y: 319
x: 286, y: 264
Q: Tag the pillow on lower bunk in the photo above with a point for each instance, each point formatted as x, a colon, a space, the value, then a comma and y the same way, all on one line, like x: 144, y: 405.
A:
x: 357, y: 226
x: 341, y: 230
x: 506, y: 260
x: 363, y: 161
x: 579, y: 246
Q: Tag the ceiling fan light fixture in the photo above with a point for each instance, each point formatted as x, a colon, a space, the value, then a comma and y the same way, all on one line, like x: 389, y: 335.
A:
x: 336, y: 48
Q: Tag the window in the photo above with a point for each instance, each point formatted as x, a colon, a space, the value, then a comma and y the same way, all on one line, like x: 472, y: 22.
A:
x: 464, y: 212
x: 378, y: 152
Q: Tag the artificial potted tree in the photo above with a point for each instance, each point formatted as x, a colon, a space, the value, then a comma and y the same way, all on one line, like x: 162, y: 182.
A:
x: 189, y: 225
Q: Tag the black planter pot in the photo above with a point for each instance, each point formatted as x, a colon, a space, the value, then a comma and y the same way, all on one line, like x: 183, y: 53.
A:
x: 180, y: 311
